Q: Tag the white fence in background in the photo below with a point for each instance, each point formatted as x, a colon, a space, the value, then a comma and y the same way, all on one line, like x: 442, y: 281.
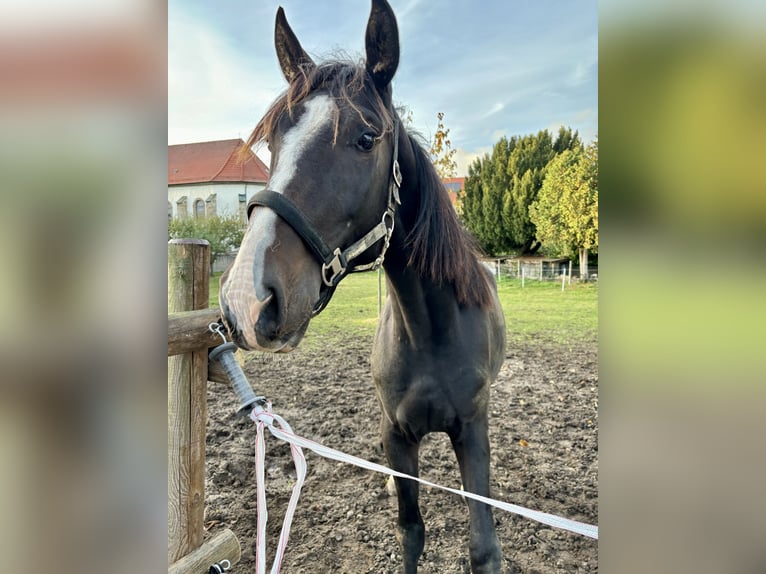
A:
x: 223, y: 261
x: 538, y: 269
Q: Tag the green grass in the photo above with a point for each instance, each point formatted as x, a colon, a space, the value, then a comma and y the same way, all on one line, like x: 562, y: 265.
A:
x: 353, y: 309
x: 215, y: 281
x: 542, y: 312
x: 539, y: 312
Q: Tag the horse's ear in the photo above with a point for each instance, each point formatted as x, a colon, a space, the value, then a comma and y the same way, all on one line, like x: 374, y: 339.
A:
x: 291, y: 55
x: 382, y: 44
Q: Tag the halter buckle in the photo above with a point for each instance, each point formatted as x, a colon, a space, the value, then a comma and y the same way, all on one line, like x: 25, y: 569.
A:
x: 337, y: 265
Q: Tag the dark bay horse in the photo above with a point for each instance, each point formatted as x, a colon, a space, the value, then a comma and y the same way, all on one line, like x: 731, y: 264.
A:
x: 348, y: 187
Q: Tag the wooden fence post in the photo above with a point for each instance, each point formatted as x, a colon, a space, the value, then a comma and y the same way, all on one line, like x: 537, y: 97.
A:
x: 188, y: 289
x: 222, y: 546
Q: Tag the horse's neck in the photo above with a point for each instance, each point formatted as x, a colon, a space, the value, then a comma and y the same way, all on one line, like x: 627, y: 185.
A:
x: 420, y: 309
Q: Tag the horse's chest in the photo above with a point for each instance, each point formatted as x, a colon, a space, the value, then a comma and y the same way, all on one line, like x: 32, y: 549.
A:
x: 403, y: 364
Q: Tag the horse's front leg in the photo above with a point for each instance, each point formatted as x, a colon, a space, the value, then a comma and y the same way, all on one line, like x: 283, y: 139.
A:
x: 402, y: 455
x: 471, y: 446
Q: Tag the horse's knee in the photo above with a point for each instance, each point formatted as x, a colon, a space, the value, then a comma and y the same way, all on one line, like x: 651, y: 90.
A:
x: 412, y: 535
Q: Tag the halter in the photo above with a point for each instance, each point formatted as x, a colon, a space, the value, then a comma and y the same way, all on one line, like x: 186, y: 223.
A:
x: 336, y: 263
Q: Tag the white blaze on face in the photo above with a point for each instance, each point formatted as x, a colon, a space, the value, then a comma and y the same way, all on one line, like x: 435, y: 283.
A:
x: 244, y: 291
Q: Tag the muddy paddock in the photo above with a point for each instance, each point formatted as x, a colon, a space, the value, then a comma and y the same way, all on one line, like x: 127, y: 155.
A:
x: 544, y: 440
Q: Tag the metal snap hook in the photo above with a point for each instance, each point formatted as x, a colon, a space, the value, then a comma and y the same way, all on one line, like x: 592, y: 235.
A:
x: 217, y: 328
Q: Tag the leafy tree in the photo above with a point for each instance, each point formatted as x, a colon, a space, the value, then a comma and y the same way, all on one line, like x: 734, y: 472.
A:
x: 470, y: 198
x: 565, y: 212
x: 223, y: 232
x: 507, y: 183
x: 442, y: 154
x: 491, y: 207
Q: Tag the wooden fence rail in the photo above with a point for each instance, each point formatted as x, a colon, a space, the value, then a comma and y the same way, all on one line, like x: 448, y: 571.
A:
x: 188, y: 373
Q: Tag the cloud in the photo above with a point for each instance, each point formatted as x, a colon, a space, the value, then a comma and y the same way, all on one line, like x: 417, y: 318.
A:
x: 214, y: 90
x: 498, y: 107
x: 409, y: 8
x: 464, y: 158
x: 219, y: 87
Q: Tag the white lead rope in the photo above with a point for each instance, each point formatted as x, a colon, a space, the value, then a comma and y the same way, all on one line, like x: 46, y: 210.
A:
x: 264, y: 417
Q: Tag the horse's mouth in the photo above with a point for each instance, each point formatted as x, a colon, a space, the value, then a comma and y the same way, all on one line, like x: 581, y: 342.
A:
x: 252, y: 342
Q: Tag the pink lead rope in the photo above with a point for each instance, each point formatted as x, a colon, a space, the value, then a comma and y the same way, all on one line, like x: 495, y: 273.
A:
x: 264, y: 417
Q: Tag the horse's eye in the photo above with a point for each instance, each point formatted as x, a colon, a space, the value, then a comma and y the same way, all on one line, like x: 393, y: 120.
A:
x: 366, y: 142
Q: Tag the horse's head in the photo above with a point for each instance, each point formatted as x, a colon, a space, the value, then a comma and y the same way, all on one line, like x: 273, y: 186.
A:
x: 329, y: 204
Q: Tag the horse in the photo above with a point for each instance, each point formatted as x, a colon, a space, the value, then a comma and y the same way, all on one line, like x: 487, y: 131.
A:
x: 350, y: 190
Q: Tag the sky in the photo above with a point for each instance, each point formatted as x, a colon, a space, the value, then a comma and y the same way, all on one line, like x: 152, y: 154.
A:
x: 494, y: 67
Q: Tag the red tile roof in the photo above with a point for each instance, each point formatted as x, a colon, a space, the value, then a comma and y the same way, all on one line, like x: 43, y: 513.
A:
x: 214, y: 161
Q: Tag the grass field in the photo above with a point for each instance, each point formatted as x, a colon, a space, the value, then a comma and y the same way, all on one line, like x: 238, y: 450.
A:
x: 538, y: 312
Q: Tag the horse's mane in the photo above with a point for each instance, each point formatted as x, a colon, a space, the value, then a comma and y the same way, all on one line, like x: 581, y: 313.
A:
x: 440, y: 248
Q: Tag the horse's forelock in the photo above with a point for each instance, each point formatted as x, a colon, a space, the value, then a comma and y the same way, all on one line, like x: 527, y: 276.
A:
x: 345, y: 81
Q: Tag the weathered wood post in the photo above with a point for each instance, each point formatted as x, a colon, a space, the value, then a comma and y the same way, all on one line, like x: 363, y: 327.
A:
x: 188, y: 289
x: 223, y: 545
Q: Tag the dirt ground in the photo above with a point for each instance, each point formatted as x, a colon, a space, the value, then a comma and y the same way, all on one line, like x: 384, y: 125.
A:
x: 544, y: 440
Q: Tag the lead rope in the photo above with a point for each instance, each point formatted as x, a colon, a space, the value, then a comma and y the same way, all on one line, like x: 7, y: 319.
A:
x: 575, y: 526
x: 260, y: 412
x: 263, y: 417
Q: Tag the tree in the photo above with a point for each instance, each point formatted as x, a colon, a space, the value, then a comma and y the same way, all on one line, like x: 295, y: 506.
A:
x: 470, y: 198
x: 565, y: 212
x: 223, y: 232
x: 442, y: 154
x: 500, y: 188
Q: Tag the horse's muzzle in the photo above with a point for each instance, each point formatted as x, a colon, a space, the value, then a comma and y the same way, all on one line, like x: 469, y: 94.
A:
x: 259, y: 325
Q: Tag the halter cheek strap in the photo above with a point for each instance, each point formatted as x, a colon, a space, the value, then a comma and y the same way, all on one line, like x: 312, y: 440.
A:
x: 336, y: 263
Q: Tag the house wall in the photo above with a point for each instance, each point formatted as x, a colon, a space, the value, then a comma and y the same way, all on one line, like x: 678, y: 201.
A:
x: 219, y: 198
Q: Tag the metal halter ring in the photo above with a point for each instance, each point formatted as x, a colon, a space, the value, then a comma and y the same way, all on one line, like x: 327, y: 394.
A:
x: 390, y: 214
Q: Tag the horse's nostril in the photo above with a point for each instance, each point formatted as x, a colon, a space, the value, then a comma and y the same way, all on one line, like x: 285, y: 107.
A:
x: 268, y: 318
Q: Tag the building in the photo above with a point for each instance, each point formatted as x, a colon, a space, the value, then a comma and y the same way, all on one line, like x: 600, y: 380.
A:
x: 454, y: 185
x: 210, y: 178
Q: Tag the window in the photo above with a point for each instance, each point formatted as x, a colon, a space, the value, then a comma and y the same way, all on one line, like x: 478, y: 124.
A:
x: 199, y: 208
x: 181, y: 210
x: 170, y: 211
x: 210, y: 205
x: 243, y: 207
